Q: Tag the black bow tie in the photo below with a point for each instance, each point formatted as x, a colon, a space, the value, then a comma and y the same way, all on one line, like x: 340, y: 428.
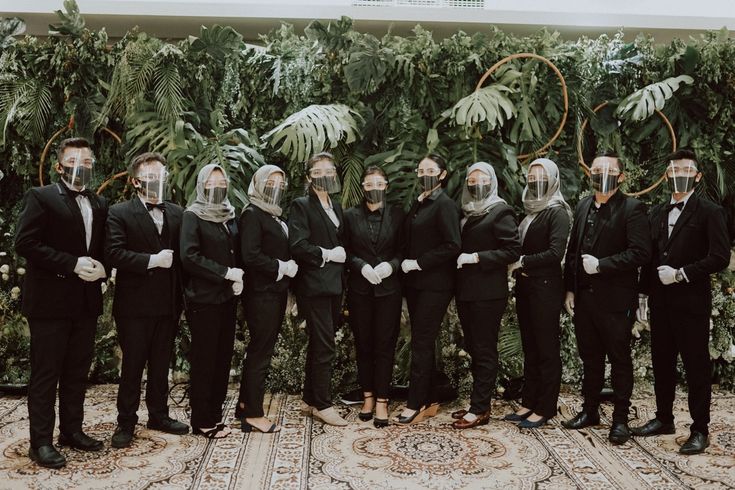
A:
x: 679, y: 205
x: 84, y: 193
x: 151, y: 207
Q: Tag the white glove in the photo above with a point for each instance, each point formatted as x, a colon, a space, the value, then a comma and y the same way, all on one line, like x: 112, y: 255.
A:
x: 237, y: 287
x: 234, y: 274
x: 84, y: 264
x: 369, y: 273
x: 515, y: 265
x: 97, y: 272
x: 383, y: 269
x: 292, y: 268
x: 591, y: 264
x: 641, y: 314
x: 666, y: 274
x: 569, y: 303
x: 163, y: 259
x: 409, y: 265
x: 465, y: 259
x: 337, y: 255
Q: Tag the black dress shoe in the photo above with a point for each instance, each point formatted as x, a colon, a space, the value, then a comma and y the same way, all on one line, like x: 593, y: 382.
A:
x: 696, y: 444
x: 581, y: 420
x: 123, y: 437
x: 527, y: 424
x: 619, y: 433
x: 47, y: 456
x: 169, y: 425
x: 81, y: 441
x: 653, y: 427
x: 515, y: 417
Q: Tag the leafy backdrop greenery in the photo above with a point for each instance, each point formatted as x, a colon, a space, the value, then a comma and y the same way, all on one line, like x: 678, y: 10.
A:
x: 370, y: 100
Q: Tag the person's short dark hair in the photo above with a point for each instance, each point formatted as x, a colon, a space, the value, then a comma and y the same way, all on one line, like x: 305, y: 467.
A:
x: 142, y: 159
x: 438, y: 159
x: 71, y: 143
x: 683, y: 154
x: 612, y: 154
x: 371, y: 170
x: 318, y: 157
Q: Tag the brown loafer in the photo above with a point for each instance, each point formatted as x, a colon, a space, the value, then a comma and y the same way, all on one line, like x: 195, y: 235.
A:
x: 462, y: 423
x: 459, y: 414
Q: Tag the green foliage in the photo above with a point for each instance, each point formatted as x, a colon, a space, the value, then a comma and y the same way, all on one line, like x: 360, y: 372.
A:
x: 72, y: 23
x: 642, y: 103
x: 9, y: 28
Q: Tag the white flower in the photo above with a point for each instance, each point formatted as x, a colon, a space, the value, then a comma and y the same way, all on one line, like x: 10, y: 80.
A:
x: 5, y: 277
x: 20, y: 271
x: 462, y: 353
x: 715, y: 312
x: 15, y: 293
x: 5, y: 268
x: 104, y: 287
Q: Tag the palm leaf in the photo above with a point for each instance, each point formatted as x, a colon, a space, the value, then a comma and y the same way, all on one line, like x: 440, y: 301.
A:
x: 167, y: 90
x: 642, y: 103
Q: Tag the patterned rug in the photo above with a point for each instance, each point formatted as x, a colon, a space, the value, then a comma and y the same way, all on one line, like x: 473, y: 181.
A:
x: 307, y: 454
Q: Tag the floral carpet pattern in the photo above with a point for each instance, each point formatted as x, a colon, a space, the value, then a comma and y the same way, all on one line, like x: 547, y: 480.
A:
x: 308, y: 454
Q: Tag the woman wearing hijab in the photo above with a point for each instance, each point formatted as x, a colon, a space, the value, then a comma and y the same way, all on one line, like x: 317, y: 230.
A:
x: 268, y: 269
x: 431, y: 231
x: 315, y: 235
x: 374, y: 290
x: 489, y: 244
x: 209, y: 243
x: 540, y: 291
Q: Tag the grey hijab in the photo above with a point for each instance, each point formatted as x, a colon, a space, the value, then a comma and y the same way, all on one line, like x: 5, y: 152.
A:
x: 257, y: 188
x: 473, y: 207
x: 552, y: 198
x: 217, y: 213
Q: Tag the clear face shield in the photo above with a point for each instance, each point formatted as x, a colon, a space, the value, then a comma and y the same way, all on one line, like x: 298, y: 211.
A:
x: 429, y: 177
x: 274, y: 189
x: 479, y: 186
x: 604, y: 177
x: 215, y: 188
x: 325, y: 179
x: 537, y: 183
x: 681, y: 176
x: 374, y: 187
x: 152, y: 184
x: 77, y: 167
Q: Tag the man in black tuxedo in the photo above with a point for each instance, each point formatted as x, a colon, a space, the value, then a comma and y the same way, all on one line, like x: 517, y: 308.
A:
x: 690, y: 242
x: 143, y: 245
x: 60, y: 233
x: 609, y: 240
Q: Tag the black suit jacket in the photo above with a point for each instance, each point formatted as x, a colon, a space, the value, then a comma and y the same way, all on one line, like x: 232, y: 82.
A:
x: 432, y: 237
x: 50, y: 236
x: 545, y: 243
x: 309, y: 228
x: 132, y: 238
x: 699, y: 244
x: 263, y: 242
x: 622, y: 243
x: 207, y: 250
x: 361, y: 250
x: 494, y: 237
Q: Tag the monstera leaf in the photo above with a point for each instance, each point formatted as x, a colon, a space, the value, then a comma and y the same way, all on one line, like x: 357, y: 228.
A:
x: 72, y: 22
x: 489, y: 104
x: 642, y: 103
x: 367, y: 66
x: 218, y: 41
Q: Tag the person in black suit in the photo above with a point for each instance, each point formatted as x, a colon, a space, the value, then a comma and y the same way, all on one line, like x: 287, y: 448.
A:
x: 610, y: 239
x: 315, y: 229
x: 490, y: 244
x: 209, y: 244
x: 60, y: 233
x: 431, y: 245
x: 690, y: 242
x: 544, y: 232
x: 268, y: 270
x: 374, y: 297
x: 143, y: 245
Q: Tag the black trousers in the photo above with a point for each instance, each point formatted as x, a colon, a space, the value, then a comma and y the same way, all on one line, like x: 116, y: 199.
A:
x: 673, y: 332
x: 426, y: 310
x: 321, y: 314
x: 375, y: 323
x: 61, y: 354
x: 538, y: 305
x: 212, y: 342
x: 144, y: 341
x: 601, y: 333
x: 480, y: 323
x: 264, y: 313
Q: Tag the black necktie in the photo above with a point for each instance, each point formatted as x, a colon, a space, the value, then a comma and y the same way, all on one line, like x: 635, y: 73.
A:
x: 151, y: 207
x: 679, y: 205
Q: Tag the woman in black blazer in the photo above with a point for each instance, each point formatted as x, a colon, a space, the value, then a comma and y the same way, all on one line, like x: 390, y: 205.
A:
x: 489, y: 244
x: 374, y: 297
x: 209, y: 243
x: 268, y: 269
x: 540, y: 291
x: 315, y: 235
x: 431, y: 244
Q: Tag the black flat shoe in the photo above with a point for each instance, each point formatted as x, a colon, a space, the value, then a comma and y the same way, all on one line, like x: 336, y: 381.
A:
x: 514, y: 417
x: 80, y: 440
x: 168, y: 425
x: 527, y: 424
x: 365, y: 416
x: 581, y: 420
x: 696, y: 444
x: 619, y: 433
x: 653, y: 427
x: 123, y: 437
x: 248, y: 427
x: 47, y: 456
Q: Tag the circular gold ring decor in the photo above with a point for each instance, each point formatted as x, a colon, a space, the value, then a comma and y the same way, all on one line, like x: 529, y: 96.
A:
x: 586, y: 168
x: 565, y: 95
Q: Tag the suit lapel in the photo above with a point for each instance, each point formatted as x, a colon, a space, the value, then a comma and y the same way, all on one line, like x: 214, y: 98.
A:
x: 71, y: 203
x: 686, y: 214
x: 145, y: 222
x: 605, y: 214
x: 385, y: 225
x: 331, y: 229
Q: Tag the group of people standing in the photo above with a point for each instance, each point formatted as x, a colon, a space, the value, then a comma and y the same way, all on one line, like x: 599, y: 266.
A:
x: 205, y: 260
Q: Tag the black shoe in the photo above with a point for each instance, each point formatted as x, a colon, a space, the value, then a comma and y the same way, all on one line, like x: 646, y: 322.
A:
x: 653, y: 427
x: 123, y: 437
x: 514, y: 417
x: 696, y: 444
x: 365, y: 416
x: 80, y: 440
x: 527, y: 424
x: 47, y: 456
x: 619, y: 433
x: 169, y: 425
x: 239, y: 412
x: 581, y: 420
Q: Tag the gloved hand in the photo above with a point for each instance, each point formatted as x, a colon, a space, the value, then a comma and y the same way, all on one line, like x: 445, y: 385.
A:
x: 666, y: 274
x: 465, y: 259
x: 591, y: 264
x: 369, y: 273
x: 292, y: 268
x: 84, y: 265
x: 515, y: 265
x: 337, y: 255
x: 641, y: 314
x: 163, y: 259
x: 383, y: 269
x: 237, y: 287
x: 409, y: 265
x: 97, y: 272
x: 234, y: 274
x: 569, y: 303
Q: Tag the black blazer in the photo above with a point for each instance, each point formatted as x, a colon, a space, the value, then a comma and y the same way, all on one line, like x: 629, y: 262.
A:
x: 432, y: 237
x: 132, y: 238
x: 50, y: 236
x: 207, y: 250
x: 622, y: 242
x: 494, y: 237
x: 262, y: 243
x: 309, y: 228
x: 545, y: 243
x: 699, y: 243
x: 361, y: 250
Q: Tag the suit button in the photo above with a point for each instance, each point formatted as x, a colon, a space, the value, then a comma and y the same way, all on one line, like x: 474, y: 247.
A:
x: 232, y: 251
x: 666, y: 254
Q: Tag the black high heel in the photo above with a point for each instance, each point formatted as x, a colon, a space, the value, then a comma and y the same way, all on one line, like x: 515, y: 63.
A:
x: 247, y: 427
x: 380, y: 423
x: 365, y: 416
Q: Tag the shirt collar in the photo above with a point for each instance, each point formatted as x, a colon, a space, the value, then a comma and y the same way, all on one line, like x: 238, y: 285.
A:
x: 685, y: 200
x: 431, y: 196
